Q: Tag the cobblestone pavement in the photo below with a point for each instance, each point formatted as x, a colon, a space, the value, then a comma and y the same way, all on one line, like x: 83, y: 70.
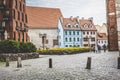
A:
x: 65, y: 67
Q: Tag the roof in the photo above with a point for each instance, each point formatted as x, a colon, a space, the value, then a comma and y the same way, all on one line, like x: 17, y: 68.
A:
x: 102, y: 36
x: 72, y: 21
x: 101, y: 29
x: 41, y: 17
x: 88, y: 22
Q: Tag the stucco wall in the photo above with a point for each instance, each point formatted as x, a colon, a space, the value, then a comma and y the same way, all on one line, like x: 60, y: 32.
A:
x: 36, y: 39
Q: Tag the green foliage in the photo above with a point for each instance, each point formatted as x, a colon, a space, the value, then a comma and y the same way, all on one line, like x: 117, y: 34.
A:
x: 11, y: 46
x: 72, y: 50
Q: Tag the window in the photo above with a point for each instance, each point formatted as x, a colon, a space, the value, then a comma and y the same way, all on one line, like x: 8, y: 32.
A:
x: 22, y: 36
x: 18, y: 15
x: 77, y: 32
x: 105, y: 41
x: 70, y: 45
x: 69, y: 32
x: 85, y: 25
x: 77, y: 26
x: 46, y: 42
x: 74, y: 39
x: 4, y: 2
x: 69, y: 25
x: 66, y: 45
x: 87, y: 32
x: 91, y: 26
x: 65, y: 32
x: 20, y: 6
x: 26, y: 18
x: 92, y: 39
x: 10, y: 3
x: 22, y: 16
x: 84, y: 33
x: 85, y: 39
x: 78, y: 39
x: 91, y: 32
x: 73, y: 32
x: 13, y: 14
x: 16, y: 4
x: 66, y: 39
x: 7, y: 12
x: 3, y: 24
x: 70, y: 39
x: 14, y: 36
x: 18, y: 36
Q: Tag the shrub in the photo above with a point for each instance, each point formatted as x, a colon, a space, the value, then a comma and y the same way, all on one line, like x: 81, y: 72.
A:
x: 26, y: 47
x: 9, y: 46
x: 72, y: 50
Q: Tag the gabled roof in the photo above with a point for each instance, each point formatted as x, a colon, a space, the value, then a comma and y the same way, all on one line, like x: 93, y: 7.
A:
x: 70, y: 21
x: 102, y: 36
x: 88, y: 22
x: 41, y: 17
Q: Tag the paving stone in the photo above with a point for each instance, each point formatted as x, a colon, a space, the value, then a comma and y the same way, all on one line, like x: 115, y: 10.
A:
x: 65, y: 67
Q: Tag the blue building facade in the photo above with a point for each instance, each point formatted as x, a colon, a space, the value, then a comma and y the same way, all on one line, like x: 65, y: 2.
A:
x: 69, y: 33
x: 72, y: 38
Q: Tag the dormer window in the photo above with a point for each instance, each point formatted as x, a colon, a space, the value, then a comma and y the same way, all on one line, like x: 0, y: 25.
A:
x: 76, y: 26
x: 69, y: 25
x: 91, y: 26
x: 85, y: 25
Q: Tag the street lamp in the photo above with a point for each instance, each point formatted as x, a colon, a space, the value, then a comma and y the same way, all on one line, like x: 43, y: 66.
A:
x: 43, y: 36
x: 88, y: 39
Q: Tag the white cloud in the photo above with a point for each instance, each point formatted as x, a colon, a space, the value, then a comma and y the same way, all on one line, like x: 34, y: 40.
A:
x: 82, y: 8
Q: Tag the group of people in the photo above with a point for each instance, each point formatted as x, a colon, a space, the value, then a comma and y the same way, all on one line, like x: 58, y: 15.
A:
x: 98, y: 48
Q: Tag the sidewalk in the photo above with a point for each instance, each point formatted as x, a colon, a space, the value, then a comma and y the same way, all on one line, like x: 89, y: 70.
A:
x: 65, y: 67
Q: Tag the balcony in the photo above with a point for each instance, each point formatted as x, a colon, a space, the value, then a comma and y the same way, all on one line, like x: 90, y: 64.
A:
x: 2, y: 29
x: 20, y: 29
x: 2, y: 7
x: 6, y: 18
x: 17, y: 28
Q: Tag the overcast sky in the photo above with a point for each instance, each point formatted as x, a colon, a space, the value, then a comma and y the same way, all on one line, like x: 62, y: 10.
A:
x: 81, y: 8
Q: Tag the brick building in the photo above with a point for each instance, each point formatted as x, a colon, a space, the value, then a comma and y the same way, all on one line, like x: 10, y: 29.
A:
x: 112, y: 25
x: 13, y: 20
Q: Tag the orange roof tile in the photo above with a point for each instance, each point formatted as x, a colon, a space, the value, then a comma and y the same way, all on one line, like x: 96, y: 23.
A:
x: 89, y: 22
x: 102, y: 36
x: 72, y: 22
x: 40, y: 17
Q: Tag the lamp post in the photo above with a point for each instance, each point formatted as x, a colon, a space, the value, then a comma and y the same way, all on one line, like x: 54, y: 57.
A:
x: 88, y: 39
x: 43, y: 36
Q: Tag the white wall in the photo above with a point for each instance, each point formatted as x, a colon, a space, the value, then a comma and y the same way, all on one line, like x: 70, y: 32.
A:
x: 37, y: 40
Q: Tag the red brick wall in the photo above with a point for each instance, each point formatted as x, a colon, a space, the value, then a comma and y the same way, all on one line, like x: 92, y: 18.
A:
x: 10, y: 25
x: 112, y: 25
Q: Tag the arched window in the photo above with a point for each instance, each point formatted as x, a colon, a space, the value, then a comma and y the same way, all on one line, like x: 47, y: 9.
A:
x: 69, y: 25
x: 76, y: 26
x: 85, y: 25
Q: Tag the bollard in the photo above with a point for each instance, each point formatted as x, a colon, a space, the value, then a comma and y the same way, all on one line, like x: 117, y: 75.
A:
x: 7, y: 61
x: 50, y: 63
x: 118, y: 63
x: 19, y: 62
x: 88, y: 66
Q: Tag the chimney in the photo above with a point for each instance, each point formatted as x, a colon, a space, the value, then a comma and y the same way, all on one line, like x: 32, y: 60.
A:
x: 77, y: 18
x: 91, y: 18
x: 82, y: 18
x: 71, y: 17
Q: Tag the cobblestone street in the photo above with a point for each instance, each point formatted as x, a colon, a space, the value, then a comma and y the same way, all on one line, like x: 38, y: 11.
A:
x: 65, y: 67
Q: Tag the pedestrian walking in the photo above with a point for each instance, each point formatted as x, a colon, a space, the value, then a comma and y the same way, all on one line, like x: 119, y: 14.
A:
x: 99, y: 48
x: 104, y: 48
